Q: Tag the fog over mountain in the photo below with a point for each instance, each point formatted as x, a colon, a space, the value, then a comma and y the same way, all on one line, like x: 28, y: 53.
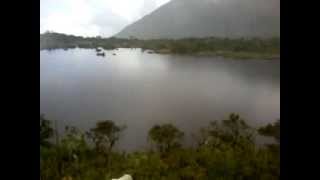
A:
x: 203, y: 18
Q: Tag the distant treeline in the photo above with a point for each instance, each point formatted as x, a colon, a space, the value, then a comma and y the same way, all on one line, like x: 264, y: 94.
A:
x: 225, y: 150
x: 51, y: 40
x: 240, y: 48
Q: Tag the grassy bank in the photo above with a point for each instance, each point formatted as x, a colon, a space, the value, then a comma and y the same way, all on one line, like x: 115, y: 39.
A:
x: 247, y: 55
x: 226, y: 54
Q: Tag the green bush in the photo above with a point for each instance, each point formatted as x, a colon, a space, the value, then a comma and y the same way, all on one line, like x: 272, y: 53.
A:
x: 225, y: 151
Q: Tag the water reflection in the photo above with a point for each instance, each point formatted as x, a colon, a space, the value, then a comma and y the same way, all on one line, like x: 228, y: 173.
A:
x: 140, y: 89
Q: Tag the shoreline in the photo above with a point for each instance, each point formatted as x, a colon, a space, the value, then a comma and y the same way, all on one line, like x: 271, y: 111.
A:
x: 225, y: 54
x: 241, y: 55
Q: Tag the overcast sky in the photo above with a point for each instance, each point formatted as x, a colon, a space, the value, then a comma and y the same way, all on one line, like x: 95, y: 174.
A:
x: 93, y: 17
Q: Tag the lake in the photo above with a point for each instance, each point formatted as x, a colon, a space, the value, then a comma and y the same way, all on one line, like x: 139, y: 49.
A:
x: 139, y: 90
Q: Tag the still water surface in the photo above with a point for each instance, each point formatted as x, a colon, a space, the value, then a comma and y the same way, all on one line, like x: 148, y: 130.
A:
x: 140, y: 90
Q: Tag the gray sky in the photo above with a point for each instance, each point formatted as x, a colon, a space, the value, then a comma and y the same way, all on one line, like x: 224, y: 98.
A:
x: 93, y: 17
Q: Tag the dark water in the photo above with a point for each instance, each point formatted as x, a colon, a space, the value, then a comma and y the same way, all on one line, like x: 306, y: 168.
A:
x: 140, y: 90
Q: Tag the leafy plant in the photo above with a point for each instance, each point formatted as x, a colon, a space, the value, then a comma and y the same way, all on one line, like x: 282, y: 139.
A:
x: 165, y: 137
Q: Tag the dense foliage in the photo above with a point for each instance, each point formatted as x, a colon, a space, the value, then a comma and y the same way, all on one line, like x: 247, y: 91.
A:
x: 272, y: 130
x: 238, y: 48
x: 165, y: 137
x: 226, y: 150
x: 45, y: 131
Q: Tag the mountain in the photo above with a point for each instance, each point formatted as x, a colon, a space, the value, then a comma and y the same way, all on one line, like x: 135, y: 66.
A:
x: 204, y: 18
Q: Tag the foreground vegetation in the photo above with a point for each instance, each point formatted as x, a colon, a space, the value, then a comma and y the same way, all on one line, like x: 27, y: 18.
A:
x: 240, y: 48
x: 225, y: 150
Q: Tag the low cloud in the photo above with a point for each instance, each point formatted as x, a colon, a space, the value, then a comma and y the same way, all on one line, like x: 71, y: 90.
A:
x: 93, y: 17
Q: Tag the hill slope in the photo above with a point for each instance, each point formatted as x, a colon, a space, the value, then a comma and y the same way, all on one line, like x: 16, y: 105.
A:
x: 203, y: 18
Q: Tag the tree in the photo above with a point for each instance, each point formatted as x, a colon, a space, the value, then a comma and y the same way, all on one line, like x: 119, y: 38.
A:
x: 165, y: 136
x: 71, y: 151
x: 105, y: 135
x: 46, y: 131
x: 233, y: 131
x: 272, y: 130
x: 74, y: 141
x: 236, y: 130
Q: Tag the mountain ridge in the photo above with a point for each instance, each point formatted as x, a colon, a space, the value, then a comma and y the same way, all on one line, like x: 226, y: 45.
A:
x: 207, y: 18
